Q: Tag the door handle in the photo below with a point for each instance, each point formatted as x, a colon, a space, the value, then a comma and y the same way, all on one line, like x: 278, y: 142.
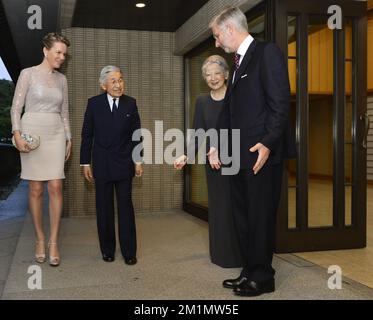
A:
x: 367, y: 127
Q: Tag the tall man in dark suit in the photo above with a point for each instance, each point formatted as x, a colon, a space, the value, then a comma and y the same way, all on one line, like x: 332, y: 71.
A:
x: 257, y: 103
x: 109, y: 122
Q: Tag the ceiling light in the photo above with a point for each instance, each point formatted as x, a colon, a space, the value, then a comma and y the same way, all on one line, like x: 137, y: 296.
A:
x: 140, y: 5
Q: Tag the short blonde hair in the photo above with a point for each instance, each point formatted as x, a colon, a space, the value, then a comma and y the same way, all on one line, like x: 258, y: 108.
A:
x: 219, y: 60
x: 51, y: 38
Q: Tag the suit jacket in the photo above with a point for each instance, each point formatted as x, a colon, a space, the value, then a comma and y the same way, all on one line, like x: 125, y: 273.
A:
x: 107, y: 138
x: 258, y: 104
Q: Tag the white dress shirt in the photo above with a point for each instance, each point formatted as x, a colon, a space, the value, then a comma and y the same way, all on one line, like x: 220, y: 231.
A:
x: 242, y: 49
x: 111, y: 101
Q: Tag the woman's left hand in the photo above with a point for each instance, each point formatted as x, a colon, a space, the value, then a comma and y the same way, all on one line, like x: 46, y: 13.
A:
x: 68, y: 150
x: 138, y: 170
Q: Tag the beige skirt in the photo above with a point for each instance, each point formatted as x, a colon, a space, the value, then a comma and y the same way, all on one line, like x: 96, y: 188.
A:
x: 48, y: 160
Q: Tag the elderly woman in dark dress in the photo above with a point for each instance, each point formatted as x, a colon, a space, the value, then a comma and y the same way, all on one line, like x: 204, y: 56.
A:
x: 224, y: 248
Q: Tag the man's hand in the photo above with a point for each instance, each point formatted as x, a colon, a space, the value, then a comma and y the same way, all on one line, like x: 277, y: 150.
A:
x: 88, y: 173
x: 214, y: 158
x: 138, y: 170
x: 263, y: 154
x: 180, y: 162
x: 68, y: 149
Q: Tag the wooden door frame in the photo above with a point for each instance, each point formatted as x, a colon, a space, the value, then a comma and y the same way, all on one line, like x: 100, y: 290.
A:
x: 338, y: 236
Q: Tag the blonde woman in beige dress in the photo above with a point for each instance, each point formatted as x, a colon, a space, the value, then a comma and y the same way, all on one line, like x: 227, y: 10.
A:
x: 42, y: 91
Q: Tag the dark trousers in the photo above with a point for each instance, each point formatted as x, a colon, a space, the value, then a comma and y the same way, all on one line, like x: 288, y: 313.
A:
x: 106, y: 219
x: 255, y: 200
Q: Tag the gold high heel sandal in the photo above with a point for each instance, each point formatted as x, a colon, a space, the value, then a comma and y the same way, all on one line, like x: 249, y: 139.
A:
x: 53, y: 261
x: 40, y: 257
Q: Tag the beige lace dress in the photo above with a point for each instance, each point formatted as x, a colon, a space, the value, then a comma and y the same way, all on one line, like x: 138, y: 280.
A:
x: 44, y: 96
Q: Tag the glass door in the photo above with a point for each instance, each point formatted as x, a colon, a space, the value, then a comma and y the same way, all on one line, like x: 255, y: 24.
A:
x: 323, y: 203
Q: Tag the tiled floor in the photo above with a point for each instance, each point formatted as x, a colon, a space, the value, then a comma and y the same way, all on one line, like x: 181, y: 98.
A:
x: 356, y: 264
x: 173, y: 263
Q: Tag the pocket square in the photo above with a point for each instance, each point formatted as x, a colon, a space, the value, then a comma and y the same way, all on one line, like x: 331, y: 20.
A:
x: 244, y: 76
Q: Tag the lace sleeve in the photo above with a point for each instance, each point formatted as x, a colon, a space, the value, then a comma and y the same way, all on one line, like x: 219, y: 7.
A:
x: 19, y: 99
x: 65, y: 110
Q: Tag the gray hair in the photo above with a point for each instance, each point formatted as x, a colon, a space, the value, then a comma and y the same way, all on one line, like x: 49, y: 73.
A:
x: 233, y: 15
x: 219, y: 60
x: 105, y: 71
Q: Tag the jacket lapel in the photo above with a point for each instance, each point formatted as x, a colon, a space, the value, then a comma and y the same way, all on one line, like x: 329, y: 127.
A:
x: 105, y: 109
x: 121, y: 105
x: 119, y: 117
x: 245, y: 61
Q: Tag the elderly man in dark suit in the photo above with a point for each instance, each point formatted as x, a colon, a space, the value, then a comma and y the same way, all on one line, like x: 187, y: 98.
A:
x: 109, y: 122
x: 257, y: 103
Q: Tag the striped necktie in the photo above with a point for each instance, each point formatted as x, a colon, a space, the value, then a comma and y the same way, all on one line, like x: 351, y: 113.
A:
x: 236, y: 61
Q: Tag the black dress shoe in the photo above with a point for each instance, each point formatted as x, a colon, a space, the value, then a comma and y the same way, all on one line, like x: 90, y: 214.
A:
x: 234, y: 283
x: 130, y: 261
x: 253, y: 288
x: 108, y: 258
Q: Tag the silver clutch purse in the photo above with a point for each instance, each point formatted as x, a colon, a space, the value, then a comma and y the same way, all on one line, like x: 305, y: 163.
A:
x: 32, y: 140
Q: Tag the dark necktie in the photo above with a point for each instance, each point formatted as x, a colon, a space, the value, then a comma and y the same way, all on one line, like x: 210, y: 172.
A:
x: 236, y: 61
x: 115, y: 108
